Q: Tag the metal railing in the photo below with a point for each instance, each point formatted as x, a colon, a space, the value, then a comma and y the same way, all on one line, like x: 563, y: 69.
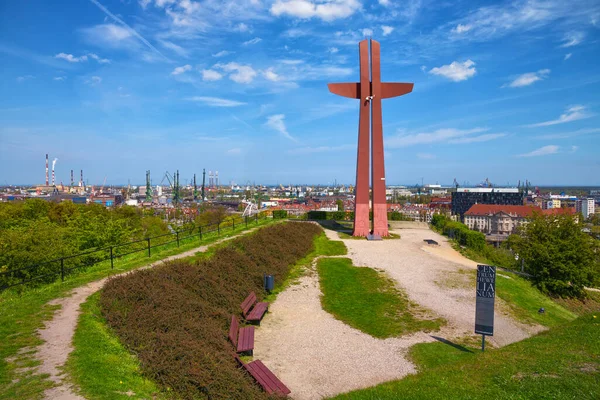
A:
x: 63, y: 266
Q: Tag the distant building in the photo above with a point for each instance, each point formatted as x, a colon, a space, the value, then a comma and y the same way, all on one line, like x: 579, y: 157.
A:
x: 464, y: 198
x: 586, y: 207
x: 495, y: 219
x: 552, y: 203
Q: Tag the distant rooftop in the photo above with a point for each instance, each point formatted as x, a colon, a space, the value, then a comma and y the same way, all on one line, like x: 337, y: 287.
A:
x: 487, y: 190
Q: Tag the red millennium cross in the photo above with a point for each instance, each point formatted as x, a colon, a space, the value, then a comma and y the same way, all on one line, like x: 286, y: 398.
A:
x: 370, y: 92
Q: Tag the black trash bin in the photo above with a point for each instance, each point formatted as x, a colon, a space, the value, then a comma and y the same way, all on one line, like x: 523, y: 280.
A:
x: 269, y: 282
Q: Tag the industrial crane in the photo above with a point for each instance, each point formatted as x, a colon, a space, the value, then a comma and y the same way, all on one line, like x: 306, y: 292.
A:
x: 455, y: 183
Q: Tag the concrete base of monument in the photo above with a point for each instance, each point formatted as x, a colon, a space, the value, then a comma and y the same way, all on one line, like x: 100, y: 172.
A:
x: 373, y: 237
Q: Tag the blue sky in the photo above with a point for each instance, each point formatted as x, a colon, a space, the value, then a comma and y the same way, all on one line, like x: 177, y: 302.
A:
x: 506, y: 90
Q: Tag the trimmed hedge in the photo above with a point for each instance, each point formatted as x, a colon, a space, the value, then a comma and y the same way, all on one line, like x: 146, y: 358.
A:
x: 175, y: 317
x: 456, y: 230
x: 349, y: 216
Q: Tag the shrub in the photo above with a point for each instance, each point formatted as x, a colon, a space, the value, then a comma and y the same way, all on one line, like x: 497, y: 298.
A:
x: 176, y: 316
x: 280, y: 214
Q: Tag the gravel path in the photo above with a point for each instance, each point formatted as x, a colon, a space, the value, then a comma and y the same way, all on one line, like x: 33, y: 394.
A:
x: 58, y: 332
x: 316, y: 355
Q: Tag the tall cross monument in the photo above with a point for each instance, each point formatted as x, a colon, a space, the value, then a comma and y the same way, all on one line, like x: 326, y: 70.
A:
x: 370, y: 91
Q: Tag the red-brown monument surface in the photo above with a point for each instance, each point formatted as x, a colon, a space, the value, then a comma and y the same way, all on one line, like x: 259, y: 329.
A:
x: 370, y: 91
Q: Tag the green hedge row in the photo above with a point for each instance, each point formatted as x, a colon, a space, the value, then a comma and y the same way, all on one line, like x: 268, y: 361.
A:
x: 349, y: 216
x: 459, y: 231
x: 175, y: 317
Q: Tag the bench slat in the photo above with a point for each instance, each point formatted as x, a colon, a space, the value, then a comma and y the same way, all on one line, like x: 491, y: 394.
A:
x: 265, y: 378
x: 246, y: 339
x: 276, y: 383
x: 248, y: 303
x: 233, y: 330
x: 257, y: 312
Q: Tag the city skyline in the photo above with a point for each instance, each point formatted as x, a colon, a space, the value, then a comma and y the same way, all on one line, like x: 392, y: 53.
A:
x: 506, y: 91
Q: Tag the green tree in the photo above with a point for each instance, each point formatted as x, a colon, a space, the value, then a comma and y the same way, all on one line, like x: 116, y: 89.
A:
x: 560, y: 256
x: 340, y: 204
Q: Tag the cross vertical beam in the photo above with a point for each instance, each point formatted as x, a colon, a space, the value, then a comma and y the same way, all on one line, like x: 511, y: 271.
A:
x: 370, y: 91
x: 361, y: 201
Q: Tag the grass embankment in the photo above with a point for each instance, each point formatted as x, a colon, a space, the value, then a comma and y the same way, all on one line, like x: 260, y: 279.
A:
x: 563, y: 363
x: 22, y: 314
x: 102, y: 367
x: 369, y: 301
x: 175, y: 317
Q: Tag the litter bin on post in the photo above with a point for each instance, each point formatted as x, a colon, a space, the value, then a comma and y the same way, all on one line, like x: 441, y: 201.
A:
x: 269, y: 283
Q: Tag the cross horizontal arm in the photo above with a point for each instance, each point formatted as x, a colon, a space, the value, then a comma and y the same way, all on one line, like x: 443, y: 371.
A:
x: 390, y: 89
x: 351, y: 90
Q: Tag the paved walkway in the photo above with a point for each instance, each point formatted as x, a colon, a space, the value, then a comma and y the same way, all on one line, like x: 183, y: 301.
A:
x: 316, y: 355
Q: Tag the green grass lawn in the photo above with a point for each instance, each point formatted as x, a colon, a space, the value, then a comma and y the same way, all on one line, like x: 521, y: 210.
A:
x: 562, y: 363
x: 22, y: 314
x: 369, y: 301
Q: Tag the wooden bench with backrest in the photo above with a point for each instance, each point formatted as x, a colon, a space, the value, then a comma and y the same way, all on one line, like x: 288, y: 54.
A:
x: 241, y: 338
x: 264, y: 377
x: 253, y: 314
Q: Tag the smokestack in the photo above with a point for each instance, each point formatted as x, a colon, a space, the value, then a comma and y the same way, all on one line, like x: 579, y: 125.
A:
x: 46, y: 169
x: 53, y: 164
x: 81, y: 179
x: 72, y: 181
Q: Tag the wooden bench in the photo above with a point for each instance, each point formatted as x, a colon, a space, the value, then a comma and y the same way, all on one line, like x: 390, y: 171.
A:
x: 264, y: 377
x: 253, y: 314
x: 241, y: 338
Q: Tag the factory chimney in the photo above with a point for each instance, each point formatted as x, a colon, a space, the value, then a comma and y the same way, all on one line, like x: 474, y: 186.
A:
x: 53, y: 164
x: 72, y: 181
x: 81, y: 179
x: 46, y: 169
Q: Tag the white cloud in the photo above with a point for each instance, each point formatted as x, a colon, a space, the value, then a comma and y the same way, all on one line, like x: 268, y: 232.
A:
x: 568, y: 55
x: 59, y: 78
x: 423, y: 68
x: 238, y: 73
x: 460, y: 28
x: 277, y: 123
x: 387, y: 29
x: 70, y: 57
x: 367, y: 32
x: 573, y: 113
x: 99, y: 59
x: 333, y: 50
x: 129, y: 29
x: 572, y: 39
x: 456, y: 71
x: 242, y: 27
x: 542, y: 151
x: 94, y: 80
x: 326, y: 10
x: 222, y: 53
x: 477, y: 139
x: 174, y: 48
x: 252, y: 41
x: 574, y: 149
x: 384, y: 3
x: 567, y: 135
x: 211, y: 75
x: 234, y: 152
x: 271, y: 75
x: 181, y: 70
x: 24, y: 78
x: 445, y: 135
x: 215, y: 101
x: 529, y: 78
x: 426, y: 156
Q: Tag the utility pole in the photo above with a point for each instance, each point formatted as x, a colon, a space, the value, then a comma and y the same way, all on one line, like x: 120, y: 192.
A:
x: 148, y: 187
x: 203, y: 182
x: 176, y: 188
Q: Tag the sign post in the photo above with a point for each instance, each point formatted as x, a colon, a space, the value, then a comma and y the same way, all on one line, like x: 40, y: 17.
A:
x: 484, y: 306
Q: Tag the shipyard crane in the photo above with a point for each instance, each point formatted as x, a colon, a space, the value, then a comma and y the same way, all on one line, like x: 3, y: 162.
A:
x: 455, y: 183
x: 103, y: 183
x: 168, y: 176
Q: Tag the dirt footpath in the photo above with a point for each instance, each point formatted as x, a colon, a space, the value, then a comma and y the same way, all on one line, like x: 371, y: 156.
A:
x: 316, y: 355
